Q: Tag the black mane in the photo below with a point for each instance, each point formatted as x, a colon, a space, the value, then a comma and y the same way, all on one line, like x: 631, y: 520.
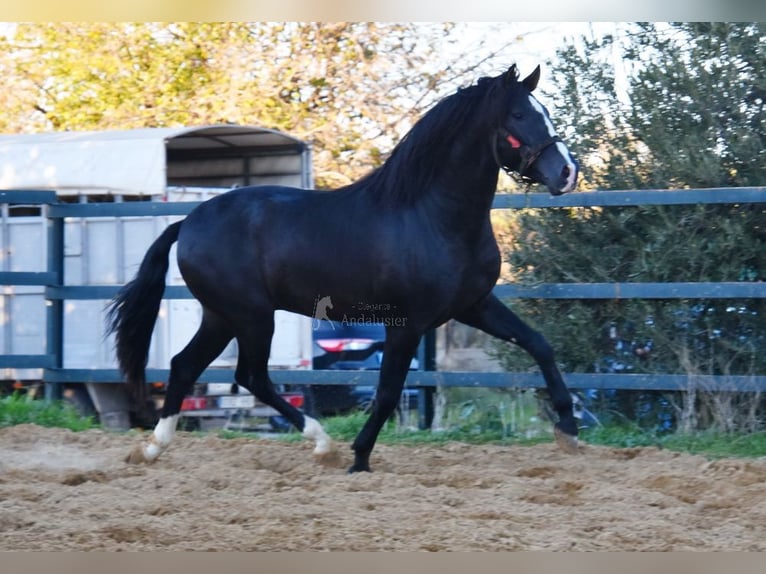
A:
x: 418, y: 157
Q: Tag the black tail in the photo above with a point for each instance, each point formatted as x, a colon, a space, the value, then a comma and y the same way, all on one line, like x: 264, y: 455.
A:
x: 133, y: 311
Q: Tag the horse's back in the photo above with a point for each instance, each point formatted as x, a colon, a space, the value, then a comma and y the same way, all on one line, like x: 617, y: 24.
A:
x: 216, y: 240
x: 245, y: 206
x: 246, y: 243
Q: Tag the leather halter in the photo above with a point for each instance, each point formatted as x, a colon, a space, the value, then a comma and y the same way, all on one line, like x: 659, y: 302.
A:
x: 529, y: 154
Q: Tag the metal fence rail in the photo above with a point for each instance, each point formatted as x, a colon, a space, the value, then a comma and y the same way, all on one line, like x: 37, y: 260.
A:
x: 56, y: 291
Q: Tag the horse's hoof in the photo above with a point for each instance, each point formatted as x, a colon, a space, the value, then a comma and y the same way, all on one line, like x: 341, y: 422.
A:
x: 136, y: 456
x: 566, y: 442
x: 361, y: 464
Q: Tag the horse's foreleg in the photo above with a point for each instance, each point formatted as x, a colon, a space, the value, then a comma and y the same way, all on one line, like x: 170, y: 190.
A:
x: 493, y: 317
x: 324, y: 448
x: 157, y: 442
x: 398, y: 351
x: 209, y: 341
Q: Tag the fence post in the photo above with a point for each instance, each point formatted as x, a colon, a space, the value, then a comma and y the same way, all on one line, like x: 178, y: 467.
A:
x: 54, y: 340
x: 426, y: 394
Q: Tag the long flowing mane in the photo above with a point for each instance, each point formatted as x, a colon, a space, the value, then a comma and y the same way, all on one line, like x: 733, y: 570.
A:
x: 418, y: 157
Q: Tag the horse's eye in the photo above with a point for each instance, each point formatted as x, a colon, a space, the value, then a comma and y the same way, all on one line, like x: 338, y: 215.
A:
x: 517, y: 116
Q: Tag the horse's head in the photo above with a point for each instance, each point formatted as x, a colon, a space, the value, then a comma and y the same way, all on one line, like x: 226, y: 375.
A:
x: 526, y: 143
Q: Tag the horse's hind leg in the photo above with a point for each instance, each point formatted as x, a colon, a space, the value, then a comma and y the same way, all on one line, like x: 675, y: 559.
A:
x: 185, y: 368
x: 255, y: 345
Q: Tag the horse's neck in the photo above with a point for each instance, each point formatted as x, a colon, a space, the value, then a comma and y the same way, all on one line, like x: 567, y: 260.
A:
x: 454, y: 189
x: 466, y: 195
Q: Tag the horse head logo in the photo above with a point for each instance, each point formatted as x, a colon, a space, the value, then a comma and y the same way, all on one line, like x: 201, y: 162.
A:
x: 321, y: 306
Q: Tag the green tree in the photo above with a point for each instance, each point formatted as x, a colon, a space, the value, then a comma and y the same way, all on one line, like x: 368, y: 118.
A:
x: 693, y: 116
x: 350, y: 89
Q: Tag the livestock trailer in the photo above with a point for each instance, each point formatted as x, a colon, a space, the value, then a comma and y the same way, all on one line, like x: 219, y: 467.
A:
x: 152, y: 164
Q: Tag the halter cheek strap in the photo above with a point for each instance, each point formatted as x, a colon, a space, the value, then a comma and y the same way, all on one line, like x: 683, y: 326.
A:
x: 529, y: 154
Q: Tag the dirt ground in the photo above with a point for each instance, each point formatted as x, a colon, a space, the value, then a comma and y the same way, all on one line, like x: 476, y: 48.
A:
x: 61, y: 490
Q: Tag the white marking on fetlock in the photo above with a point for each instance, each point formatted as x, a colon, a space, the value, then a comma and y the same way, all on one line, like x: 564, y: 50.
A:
x: 314, y: 431
x: 161, y: 437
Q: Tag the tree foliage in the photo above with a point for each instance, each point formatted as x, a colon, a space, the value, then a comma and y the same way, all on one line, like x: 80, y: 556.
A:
x: 349, y: 89
x: 692, y: 115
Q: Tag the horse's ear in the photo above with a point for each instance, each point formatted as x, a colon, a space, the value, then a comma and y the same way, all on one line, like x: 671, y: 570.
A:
x: 510, y: 76
x: 530, y: 82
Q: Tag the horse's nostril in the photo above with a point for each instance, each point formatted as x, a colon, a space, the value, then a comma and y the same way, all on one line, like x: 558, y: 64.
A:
x: 568, y: 177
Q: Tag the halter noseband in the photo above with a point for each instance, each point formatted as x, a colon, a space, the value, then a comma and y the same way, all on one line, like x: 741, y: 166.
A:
x: 529, y: 154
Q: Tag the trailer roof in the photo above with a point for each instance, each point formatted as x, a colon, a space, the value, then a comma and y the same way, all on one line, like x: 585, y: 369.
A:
x: 137, y: 161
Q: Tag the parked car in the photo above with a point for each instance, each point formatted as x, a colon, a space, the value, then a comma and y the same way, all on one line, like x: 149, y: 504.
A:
x: 339, y: 346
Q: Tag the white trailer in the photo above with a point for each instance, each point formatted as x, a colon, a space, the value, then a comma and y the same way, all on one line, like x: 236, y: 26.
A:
x: 157, y: 164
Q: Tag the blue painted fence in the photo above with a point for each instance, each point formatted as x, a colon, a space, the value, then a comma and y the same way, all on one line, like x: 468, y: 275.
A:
x: 56, y: 292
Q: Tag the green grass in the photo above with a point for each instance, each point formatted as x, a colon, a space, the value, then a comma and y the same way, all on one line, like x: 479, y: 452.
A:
x: 707, y: 443
x: 19, y: 409
x: 345, y: 428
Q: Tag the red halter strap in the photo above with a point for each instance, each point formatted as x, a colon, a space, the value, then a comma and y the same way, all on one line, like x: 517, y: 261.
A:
x: 515, y: 144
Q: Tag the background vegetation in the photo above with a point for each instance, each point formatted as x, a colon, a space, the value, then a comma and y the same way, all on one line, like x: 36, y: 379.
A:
x: 690, y: 114
x: 16, y: 409
x: 349, y: 89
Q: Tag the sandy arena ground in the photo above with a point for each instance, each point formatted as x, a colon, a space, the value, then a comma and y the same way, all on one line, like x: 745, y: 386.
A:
x: 61, y: 490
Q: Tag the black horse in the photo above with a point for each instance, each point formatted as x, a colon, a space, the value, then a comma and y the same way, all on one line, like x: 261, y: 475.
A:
x: 410, y: 245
